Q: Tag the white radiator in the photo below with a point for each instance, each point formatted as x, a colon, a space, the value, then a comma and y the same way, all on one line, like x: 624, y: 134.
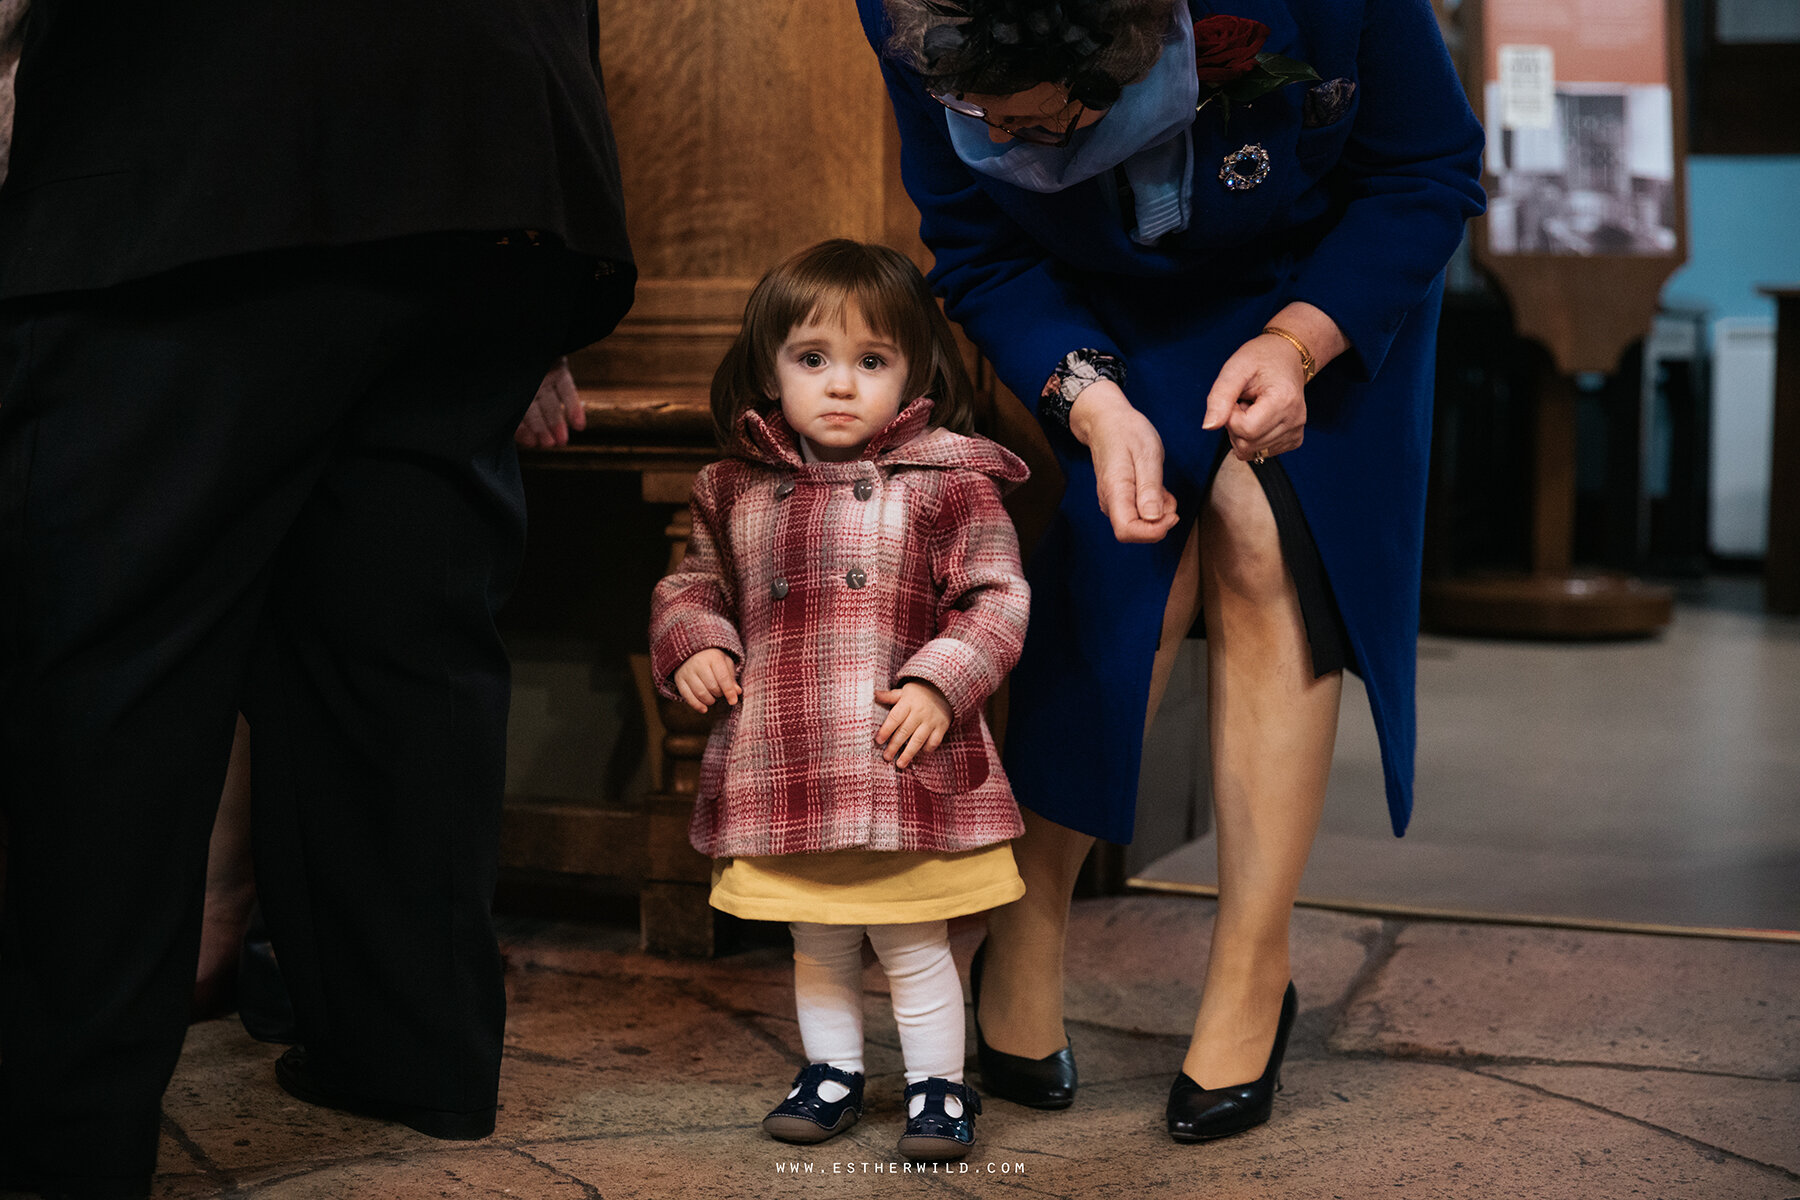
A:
x: 1743, y: 417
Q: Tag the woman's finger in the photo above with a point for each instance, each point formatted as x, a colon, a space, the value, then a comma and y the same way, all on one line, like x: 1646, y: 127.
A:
x: 1222, y: 400
x: 1117, y: 485
x: 1147, y: 466
x: 1134, y: 490
x: 1270, y: 441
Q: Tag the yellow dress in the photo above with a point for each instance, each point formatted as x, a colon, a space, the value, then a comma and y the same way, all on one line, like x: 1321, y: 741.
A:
x: 866, y: 887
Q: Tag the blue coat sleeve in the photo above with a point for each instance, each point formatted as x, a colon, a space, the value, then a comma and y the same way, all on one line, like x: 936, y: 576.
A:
x: 1008, y: 292
x: 1412, y: 171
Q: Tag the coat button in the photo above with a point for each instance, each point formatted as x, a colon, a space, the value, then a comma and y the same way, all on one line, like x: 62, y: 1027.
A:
x: 779, y: 588
x: 784, y: 489
x: 864, y: 489
x: 856, y: 577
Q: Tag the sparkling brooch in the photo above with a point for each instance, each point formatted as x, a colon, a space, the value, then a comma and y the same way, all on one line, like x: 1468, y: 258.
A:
x: 1245, y: 167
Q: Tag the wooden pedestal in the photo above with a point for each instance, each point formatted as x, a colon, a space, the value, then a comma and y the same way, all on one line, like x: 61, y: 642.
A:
x: 1585, y: 302
x: 1553, y: 601
x: 1547, y: 606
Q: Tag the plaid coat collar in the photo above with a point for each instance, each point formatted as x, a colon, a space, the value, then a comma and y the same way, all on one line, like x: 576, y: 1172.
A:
x: 909, y: 440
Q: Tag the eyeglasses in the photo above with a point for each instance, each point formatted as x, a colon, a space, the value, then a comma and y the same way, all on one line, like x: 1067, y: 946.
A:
x: 1037, y: 135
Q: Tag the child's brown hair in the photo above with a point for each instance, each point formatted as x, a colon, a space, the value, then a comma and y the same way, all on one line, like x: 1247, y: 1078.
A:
x: 817, y: 284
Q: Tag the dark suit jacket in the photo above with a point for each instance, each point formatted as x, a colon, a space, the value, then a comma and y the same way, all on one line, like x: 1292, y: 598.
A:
x: 164, y: 132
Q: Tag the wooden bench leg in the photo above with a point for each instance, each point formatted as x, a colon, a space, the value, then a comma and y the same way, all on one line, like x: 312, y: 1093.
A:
x: 674, y: 914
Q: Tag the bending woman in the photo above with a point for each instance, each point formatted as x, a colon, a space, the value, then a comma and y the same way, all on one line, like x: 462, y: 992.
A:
x: 1217, y: 278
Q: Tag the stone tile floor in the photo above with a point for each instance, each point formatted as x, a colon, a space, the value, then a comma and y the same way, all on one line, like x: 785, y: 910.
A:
x: 1430, y: 1060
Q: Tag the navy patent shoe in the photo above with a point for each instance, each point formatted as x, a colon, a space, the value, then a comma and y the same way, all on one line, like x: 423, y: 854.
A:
x: 934, y: 1135
x: 1047, y: 1082
x: 1198, y: 1114
x: 806, y: 1117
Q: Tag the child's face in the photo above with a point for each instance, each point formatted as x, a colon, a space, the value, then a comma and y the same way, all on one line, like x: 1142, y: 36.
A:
x: 839, y: 384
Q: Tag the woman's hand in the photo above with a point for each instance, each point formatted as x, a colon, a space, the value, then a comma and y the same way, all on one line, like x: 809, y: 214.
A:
x: 705, y: 677
x: 554, y: 411
x: 917, y: 723
x: 1260, y: 395
x: 1128, y: 463
x: 1260, y: 398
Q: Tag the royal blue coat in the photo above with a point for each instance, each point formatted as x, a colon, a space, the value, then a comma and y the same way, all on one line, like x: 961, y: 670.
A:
x: 1357, y: 217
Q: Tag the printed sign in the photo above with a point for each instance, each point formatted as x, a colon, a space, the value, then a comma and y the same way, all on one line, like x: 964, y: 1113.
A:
x: 1581, y: 128
x: 1527, y: 87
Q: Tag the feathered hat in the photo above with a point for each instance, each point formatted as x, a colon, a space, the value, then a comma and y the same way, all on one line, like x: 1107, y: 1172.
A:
x: 1005, y: 46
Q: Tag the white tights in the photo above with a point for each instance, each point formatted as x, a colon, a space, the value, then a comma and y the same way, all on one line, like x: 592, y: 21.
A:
x: 928, y: 1005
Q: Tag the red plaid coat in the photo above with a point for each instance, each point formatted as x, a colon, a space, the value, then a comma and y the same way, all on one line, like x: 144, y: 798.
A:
x: 828, y: 582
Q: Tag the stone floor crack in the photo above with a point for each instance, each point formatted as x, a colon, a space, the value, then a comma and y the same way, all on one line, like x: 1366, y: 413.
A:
x: 220, y: 1177
x: 538, y: 1058
x: 749, y: 1019
x: 1379, y: 952
x: 1412, y: 1052
x: 1691, y: 1140
x: 587, y: 1189
x: 299, y: 1170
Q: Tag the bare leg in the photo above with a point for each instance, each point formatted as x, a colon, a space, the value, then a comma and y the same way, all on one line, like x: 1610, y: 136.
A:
x: 230, y: 884
x: 1273, y: 728
x: 1022, y: 985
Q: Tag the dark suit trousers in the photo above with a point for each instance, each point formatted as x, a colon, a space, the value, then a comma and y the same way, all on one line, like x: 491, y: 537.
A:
x: 282, y: 483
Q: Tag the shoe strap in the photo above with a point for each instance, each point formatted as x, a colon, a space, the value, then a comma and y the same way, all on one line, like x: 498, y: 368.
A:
x: 813, y: 1074
x: 935, y: 1089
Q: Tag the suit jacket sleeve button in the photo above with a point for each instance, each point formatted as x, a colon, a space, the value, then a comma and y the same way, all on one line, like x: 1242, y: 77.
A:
x: 779, y: 589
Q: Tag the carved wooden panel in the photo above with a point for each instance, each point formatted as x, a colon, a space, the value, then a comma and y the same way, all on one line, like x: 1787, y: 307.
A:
x: 746, y: 131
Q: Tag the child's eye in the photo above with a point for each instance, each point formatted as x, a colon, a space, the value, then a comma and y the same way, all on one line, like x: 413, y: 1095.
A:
x: 812, y: 358
x: 873, y: 362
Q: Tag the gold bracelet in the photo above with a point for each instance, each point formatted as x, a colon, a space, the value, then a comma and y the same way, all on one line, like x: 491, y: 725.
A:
x: 1308, y: 364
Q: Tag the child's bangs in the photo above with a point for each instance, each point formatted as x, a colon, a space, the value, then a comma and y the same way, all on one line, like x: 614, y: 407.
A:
x: 888, y: 308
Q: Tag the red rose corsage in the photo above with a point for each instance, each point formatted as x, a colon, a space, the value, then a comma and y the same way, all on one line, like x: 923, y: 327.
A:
x: 1233, y: 69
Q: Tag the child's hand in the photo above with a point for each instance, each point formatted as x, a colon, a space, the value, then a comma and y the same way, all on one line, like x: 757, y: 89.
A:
x: 918, y: 722
x: 705, y: 677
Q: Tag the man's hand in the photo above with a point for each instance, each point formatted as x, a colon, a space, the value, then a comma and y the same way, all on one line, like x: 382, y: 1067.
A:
x: 554, y: 411
x: 917, y: 724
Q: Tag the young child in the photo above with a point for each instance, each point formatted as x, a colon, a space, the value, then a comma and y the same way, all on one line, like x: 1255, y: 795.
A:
x: 852, y: 591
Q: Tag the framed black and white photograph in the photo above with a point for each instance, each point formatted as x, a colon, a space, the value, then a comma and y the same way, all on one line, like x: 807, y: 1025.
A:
x: 1589, y: 172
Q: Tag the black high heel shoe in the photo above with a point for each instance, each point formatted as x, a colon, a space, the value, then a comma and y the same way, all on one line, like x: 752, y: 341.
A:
x: 1198, y: 1114
x: 1047, y: 1082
